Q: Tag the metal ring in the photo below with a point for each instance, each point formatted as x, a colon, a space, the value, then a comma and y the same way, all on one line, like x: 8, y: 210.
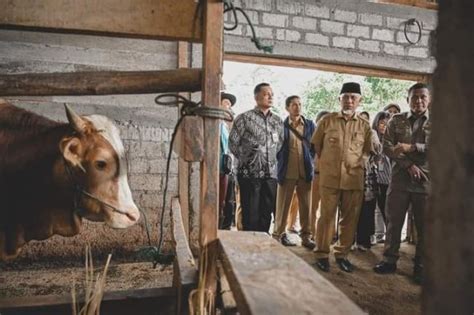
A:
x: 412, y: 22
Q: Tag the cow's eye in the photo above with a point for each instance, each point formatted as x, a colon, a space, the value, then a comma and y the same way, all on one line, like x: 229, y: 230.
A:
x: 100, y: 165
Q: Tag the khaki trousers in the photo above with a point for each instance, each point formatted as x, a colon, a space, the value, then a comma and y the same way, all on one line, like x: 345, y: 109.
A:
x: 294, y: 206
x: 350, y: 202
x: 284, y: 196
x: 315, y: 199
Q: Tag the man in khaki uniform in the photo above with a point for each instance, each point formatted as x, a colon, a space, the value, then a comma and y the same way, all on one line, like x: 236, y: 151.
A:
x: 342, y: 142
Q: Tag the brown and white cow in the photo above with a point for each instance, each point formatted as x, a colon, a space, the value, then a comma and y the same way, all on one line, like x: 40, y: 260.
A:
x: 54, y: 174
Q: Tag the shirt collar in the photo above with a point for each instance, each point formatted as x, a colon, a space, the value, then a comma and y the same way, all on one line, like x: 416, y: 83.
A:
x: 259, y: 112
x: 340, y: 115
x: 299, y: 121
x: 411, y: 114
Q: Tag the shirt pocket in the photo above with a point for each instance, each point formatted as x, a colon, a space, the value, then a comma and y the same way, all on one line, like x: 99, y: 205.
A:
x: 357, y: 142
x: 333, y: 139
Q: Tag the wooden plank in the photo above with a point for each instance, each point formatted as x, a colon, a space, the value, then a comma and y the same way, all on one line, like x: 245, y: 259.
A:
x: 267, y: 278
x: 432, y: 5
x: 54, y: 300
x: 183, y: 166
x: 295, y: 63
x: 184, y: 256
x: 185, y: 274
x: 163, y: 19
x: 212, y: 72
x: 100, y: 82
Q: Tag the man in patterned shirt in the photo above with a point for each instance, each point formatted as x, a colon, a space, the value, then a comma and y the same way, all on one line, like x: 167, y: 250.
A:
x: 255, y: 139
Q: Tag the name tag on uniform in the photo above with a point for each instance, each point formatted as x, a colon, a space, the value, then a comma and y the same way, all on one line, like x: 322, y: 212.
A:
x: 275, y: 137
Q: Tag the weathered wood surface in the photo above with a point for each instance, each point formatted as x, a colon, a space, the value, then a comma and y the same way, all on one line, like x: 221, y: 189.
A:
x: 100, y: 82
x: 163, y: 19
x: 184, y: 258
x: 267, y: 278
x: 185, y: 275
x: 55, y: 300
x: 212, y: 72
x: 449, y: 218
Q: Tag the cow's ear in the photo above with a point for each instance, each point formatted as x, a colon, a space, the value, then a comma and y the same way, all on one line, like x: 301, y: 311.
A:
x: 71, y: 148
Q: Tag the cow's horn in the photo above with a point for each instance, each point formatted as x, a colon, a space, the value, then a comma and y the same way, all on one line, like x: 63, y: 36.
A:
x: 74, y: 119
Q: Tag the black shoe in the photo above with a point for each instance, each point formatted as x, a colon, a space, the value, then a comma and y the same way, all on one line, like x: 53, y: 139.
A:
x: 285, y: 241
x: 323, y: 264
x: 418, y: 273
x: 384, y: 267
x: 344, y: 264
x: 308, y: 243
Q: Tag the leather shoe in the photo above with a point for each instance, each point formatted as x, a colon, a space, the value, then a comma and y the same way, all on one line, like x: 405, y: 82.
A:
x: 384, y: 267
x: 323, y: 264
x: 344, y: 264
x: 308, y: 243
x: 285, y: 241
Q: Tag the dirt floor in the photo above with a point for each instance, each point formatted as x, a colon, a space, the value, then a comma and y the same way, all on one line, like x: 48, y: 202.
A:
x: 22, y: 280
x: 374, y: 293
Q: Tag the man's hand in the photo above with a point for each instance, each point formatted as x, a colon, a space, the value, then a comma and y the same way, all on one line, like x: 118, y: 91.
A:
x: 403, y: 148
x: 416, y: 173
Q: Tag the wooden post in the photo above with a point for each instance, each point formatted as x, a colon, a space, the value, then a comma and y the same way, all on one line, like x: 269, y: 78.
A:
x: 449, y: 228
x: 212, y: 68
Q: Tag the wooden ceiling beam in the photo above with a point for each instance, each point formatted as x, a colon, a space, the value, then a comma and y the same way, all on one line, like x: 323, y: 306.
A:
x: 101, y: 82
x: 163, y: 19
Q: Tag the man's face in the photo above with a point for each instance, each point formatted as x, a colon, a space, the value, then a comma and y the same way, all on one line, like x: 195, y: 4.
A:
x: 349, y: 102
x: 294, y: 108
x: 226, y: 103
x: 392, y: 111
x: 264, y: 98
x: 419, y: 100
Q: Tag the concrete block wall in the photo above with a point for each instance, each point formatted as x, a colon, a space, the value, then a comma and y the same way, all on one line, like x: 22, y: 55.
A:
x: 356, y: 32
x: 145, y: 127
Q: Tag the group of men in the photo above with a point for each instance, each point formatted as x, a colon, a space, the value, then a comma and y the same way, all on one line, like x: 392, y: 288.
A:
x: 276, y: 158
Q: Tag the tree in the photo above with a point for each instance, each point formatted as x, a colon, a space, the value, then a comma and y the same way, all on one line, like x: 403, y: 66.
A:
x: 323, y: 92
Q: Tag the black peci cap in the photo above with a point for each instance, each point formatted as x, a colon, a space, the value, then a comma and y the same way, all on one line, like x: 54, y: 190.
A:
x: 350, y: 87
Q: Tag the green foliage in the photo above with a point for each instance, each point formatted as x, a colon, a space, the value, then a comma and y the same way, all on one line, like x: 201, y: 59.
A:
x: 323, y: 92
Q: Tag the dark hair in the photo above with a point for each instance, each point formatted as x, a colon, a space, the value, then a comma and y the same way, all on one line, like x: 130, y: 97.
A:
x: 378, y: 118
x: 289, y: 99
x: 259, y: 87
x: 417, y: 86
x: 321, y: 114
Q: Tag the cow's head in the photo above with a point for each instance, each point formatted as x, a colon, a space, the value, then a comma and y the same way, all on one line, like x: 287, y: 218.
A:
x: 95, y: 160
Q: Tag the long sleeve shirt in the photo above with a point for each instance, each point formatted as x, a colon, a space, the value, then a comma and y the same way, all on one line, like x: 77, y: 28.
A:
x: 408, y: 128
x: 255, y: 139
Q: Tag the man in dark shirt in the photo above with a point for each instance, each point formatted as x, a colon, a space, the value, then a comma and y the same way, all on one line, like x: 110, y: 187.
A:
x: 255, y: 139
x: 406, y: 143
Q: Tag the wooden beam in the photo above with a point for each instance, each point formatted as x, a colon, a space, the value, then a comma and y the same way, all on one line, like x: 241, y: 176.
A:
x: 185, y: 275
x: 100, y: 83
x: 212, y: 72
x: 183, y: 166
x: 267, y: 278
x: 432, y: 5
x: 163, y: 19
x: 295, y: 63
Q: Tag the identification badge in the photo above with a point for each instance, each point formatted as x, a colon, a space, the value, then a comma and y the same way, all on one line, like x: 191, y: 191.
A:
x: 275, y: 137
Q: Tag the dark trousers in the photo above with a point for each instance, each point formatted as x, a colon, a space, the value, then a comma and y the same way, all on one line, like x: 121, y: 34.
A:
x: 228, y: 212
x: 382, y: 199
x: 258, y: 199
x: 398, y: 202
x: 366, y: 225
